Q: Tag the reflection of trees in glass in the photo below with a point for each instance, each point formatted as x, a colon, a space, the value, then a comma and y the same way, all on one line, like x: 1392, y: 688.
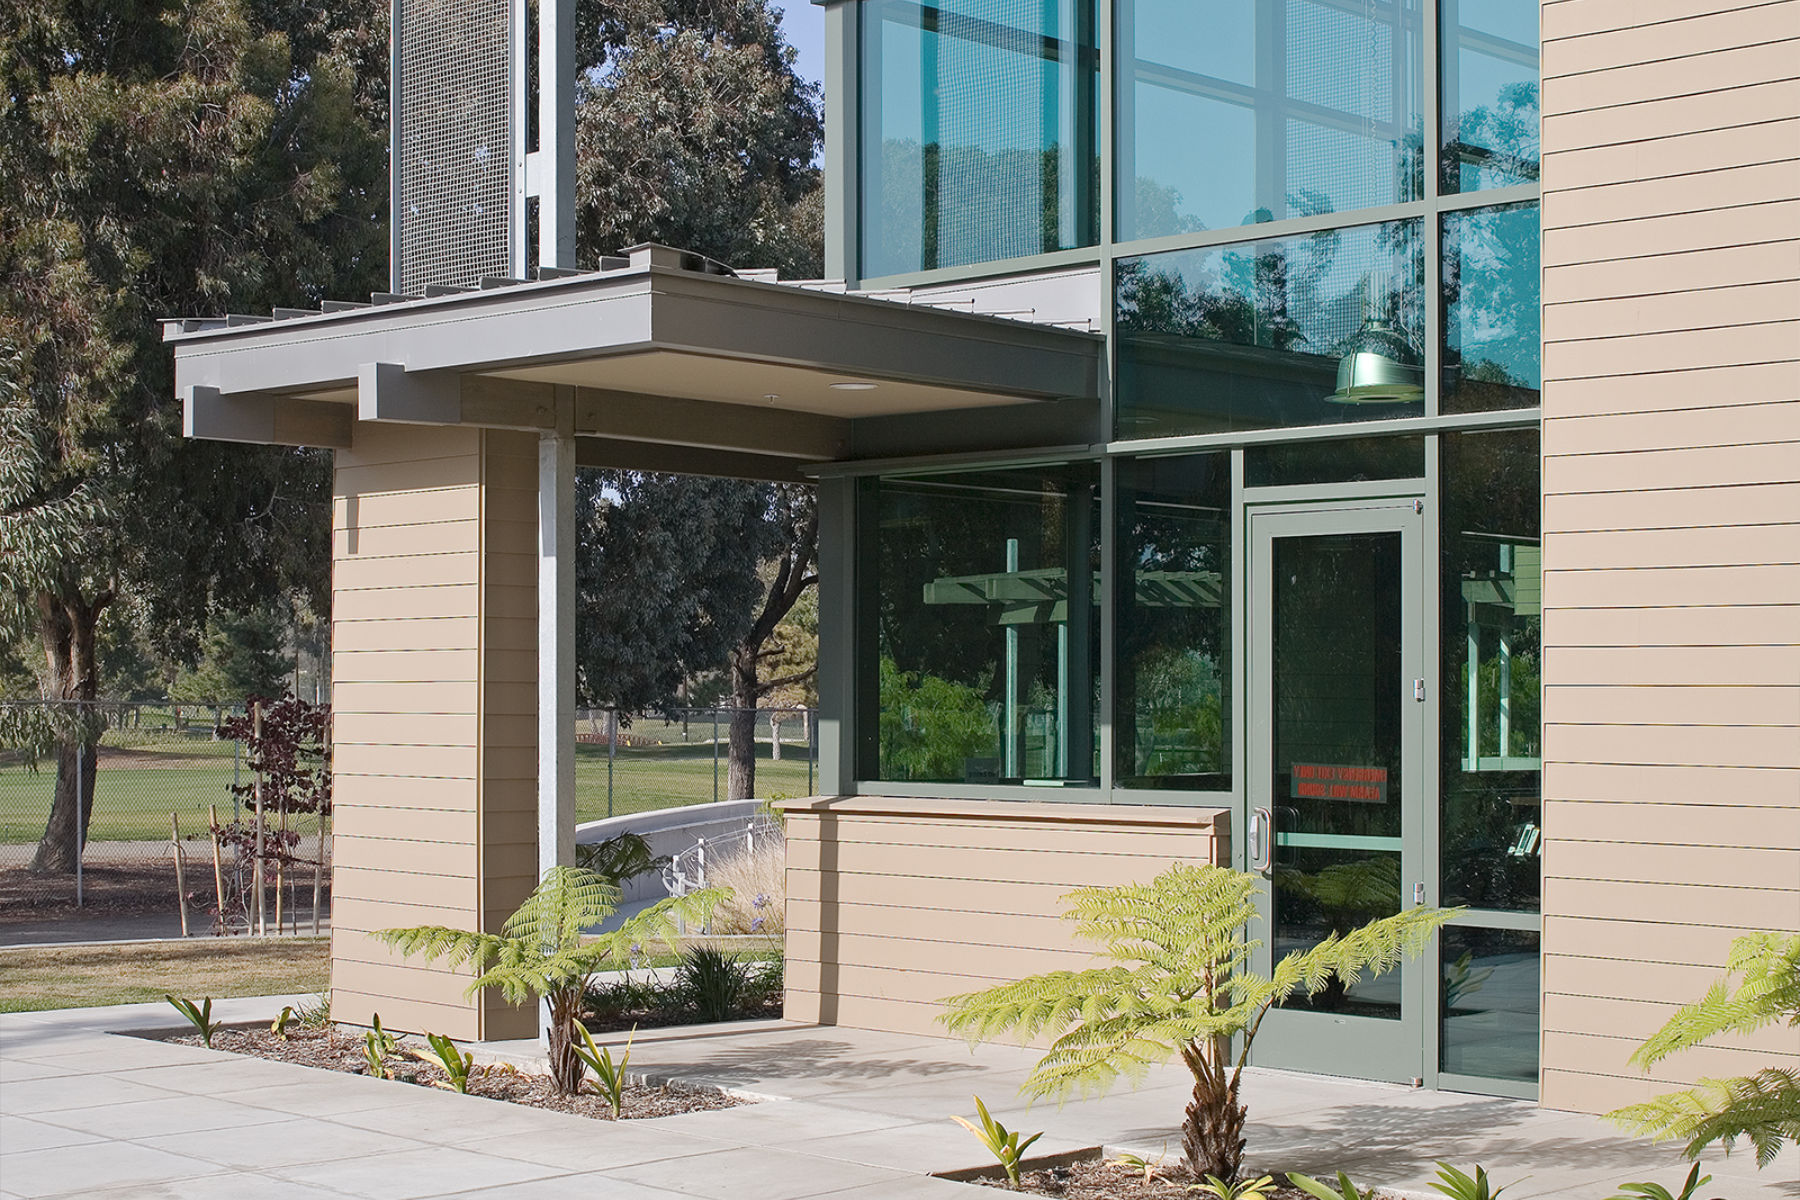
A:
x: 946, y: 206
x: 1490, y: 296
x: 1339, y: 897
x: 1493, y: 145
x: 1180, y: 718
x: 931, y: 727
x: 1491, y: 499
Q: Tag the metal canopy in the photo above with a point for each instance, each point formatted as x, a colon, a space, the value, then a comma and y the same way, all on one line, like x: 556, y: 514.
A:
x: 657, y: 358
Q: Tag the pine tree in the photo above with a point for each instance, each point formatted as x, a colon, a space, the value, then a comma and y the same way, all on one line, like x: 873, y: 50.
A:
x: 1180, y: 985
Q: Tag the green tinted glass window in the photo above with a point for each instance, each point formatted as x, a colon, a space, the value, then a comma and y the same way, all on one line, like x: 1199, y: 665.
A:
x: 1490, y: 1003
x: 1492, y: 662
x: 1492, y: 356
x: 1489, y: 68
x: 1241, y: 111
x: 1316, y: 329
x: 978, y: 137
x: 981, y: 610
x: 1172, y: 710
x: 1340, y: 460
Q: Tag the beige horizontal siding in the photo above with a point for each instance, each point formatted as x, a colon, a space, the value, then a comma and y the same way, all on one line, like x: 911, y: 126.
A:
x: 1671, y: 633
x: 895, y: 904
x: 417, y: 567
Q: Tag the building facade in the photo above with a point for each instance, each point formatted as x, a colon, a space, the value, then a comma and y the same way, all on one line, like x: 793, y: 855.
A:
x: 1438, y: 540
x: 1357, y: 441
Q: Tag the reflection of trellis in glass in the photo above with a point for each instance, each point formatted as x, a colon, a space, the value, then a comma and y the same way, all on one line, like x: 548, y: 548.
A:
x: 1496, y: 603
x: 1018, y: 598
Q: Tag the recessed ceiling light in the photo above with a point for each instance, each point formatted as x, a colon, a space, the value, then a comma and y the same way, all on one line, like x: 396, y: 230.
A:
x: 771, y: 395
x: 852, y: 387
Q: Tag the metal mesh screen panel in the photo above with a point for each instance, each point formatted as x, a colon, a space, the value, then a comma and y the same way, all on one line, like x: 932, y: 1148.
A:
x: 455, y: 140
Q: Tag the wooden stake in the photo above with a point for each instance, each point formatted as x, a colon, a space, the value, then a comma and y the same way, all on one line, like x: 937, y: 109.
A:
x: 256, y: 864
x: 212, y: 813
x: 319, y: 863
x: 180, y: 875
x: 281, y: 872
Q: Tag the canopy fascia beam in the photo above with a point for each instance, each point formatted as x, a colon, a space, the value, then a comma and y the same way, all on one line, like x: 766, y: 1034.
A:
x: 686, y: 460
x: 707, y: 425
x: 264, y: 420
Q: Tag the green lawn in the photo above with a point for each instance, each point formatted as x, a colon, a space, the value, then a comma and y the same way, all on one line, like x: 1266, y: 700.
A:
x: 132, y: 802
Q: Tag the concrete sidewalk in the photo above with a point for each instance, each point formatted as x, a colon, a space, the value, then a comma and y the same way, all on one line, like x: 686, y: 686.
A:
x: 848, y: 1115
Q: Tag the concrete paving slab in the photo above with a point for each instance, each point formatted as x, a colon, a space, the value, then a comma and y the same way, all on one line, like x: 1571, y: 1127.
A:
x: 231, y: 1186
x: 781, y: 1122
x: 98, y: 1165
x: 290, y: 1142
x: 15, y: 1070
x: 34, y: 1097
x: 755, y: 1173
x: 224, y: 1073
x: 414, y: 1174
x: 319, y: 1093
x: 154, y: 1118
x: 918, y: 1188
x: 573, y: 1187
x: 18, y: 1134
x: 585, y: 1149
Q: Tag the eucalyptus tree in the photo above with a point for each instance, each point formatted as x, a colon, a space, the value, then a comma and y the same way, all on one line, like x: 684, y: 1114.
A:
x: 159, y: 158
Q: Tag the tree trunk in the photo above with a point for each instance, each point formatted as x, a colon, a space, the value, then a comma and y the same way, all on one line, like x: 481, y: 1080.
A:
x: 740, y: 783
x: 1212, y: 1131
x: 67, y: 625
x: 567, y: 1070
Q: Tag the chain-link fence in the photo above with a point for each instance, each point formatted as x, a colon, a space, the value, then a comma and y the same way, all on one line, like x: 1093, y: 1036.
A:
x: 626, y: 764
x: 160, y: 773
x: 156, y: 776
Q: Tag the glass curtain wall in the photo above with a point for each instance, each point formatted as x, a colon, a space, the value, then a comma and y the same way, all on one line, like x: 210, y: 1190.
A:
x: 1272, y: 333
x: 978, y: 131
x: 982, y: 665
x: 1243, y: 111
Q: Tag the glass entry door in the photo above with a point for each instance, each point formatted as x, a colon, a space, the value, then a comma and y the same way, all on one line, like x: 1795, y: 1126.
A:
x: 1337, y: 788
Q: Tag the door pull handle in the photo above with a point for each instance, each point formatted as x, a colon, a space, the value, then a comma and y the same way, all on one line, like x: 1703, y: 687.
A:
x: 1261, y: 841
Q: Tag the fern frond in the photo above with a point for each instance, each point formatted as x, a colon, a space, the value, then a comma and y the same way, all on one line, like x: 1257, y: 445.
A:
x: 566, y: 901
x: 1768, y: 992
x: 1764, y: 1108
x: 457, y: 947
x: 1375, y: 948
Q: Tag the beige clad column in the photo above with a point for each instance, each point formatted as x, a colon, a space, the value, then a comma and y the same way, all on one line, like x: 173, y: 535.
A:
x: 434, y: 665
x: 1671, y: 255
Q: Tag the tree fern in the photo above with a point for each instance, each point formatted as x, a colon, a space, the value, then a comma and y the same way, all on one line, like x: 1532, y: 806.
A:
x: 1763, y: 1108
x: 541, y: 951
x: 1177, y: 983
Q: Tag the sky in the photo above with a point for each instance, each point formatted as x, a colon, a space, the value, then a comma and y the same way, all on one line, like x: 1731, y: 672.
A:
x: 804, y: 23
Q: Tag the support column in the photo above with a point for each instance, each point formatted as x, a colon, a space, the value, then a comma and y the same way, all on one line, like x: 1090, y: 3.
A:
x: 434, y: 617
x: 556, y: 639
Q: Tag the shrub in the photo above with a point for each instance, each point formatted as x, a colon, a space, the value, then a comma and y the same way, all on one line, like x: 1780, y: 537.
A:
x: 713, y: 985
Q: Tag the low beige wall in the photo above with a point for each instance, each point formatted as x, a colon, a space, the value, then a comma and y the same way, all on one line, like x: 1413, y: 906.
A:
x: 894, y: 904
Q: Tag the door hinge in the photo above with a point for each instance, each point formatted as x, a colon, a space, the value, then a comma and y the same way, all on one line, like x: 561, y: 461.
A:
x: 1418, y: 689
x: 1418, y: 894
x: 1418, y: 506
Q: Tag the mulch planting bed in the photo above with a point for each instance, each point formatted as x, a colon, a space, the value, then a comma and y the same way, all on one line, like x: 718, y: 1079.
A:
x: 332, y: 1050
x: 1106, y: 1179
